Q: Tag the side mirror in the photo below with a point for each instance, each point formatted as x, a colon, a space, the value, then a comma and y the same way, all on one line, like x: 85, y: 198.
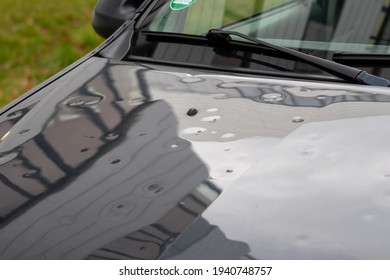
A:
x: 109, y: 15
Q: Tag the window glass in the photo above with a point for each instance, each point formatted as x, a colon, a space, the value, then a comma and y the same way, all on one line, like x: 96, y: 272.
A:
x: 329, y: 25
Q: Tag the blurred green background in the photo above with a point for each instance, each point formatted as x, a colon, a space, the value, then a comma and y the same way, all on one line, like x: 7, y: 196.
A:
x: 40, y: 37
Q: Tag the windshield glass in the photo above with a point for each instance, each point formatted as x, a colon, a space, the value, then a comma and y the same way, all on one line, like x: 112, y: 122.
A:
x: 329, y: 25
x: 351, y: 32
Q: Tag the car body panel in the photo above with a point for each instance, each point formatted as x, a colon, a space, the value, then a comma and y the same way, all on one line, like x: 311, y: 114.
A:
x: 124, y: 160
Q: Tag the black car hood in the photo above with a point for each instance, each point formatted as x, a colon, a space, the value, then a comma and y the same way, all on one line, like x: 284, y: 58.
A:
x: 130, y: 161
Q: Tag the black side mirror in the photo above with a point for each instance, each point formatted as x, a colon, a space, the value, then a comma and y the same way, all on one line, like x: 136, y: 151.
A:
x: 109, y: 15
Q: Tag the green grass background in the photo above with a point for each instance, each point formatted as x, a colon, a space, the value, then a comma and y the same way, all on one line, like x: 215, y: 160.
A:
x: 40, y: 37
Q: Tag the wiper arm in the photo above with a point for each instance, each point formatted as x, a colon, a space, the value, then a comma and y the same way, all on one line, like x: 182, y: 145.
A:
x: 351, y: 74
x: 362, y: 59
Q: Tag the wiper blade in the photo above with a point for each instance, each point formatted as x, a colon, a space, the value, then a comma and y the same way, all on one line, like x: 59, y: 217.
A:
x: 202, y: 40
x: 350, y: 74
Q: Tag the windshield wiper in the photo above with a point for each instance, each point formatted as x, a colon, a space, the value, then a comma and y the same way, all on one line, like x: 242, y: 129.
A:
x: 363, y: 59
x: 350, y: 74
x: 202, y: 40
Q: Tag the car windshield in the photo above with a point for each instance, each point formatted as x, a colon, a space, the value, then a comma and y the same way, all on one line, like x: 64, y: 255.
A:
x: 351, y: 32
x: 332, y: 25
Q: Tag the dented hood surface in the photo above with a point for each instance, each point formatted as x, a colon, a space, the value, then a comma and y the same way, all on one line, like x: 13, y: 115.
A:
x: 130, y: 161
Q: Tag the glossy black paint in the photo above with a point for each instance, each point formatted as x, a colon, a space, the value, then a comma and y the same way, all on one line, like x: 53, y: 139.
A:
x: 109, y: 15
x: 155, y: 159
x: 107, y: 164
